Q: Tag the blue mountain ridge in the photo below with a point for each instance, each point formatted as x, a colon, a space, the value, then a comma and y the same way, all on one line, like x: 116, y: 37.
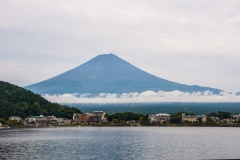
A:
x: 108, y: 73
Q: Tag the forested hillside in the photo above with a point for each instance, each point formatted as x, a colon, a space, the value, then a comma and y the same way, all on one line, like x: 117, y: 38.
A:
x: 17, y: 101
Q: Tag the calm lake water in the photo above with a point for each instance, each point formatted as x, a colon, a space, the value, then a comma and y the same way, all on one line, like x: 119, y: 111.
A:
x: 121, y: 143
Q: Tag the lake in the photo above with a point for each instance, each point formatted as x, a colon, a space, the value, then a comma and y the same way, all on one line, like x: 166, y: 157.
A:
x: 120, y: 143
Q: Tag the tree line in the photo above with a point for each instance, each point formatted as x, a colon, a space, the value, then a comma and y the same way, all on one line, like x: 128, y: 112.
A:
x: 126, y: 116
x: 17, y: 101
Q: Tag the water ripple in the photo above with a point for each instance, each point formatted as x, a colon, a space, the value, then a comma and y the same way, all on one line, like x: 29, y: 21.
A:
x: 120, y: 143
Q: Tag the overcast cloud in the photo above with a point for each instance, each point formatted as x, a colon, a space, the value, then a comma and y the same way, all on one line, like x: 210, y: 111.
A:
x: 148, y: 96
x: 189, y: 42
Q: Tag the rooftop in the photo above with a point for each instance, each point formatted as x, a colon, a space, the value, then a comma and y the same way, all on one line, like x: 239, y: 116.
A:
x: 14, y: 117
x: 162, y: 114
x: 195, y: 116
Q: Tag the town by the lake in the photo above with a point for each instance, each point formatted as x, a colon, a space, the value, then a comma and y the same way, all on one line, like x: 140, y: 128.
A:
x: 100, y: 118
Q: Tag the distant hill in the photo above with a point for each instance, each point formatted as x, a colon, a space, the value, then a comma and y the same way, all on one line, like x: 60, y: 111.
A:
x: 17, y: 101
x: 109, y: 74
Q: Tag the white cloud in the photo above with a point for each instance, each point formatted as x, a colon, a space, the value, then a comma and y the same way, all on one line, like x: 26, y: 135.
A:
x: 147, y: 96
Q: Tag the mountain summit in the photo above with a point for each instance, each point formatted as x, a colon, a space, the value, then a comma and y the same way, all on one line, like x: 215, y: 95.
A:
x: 108, y: 73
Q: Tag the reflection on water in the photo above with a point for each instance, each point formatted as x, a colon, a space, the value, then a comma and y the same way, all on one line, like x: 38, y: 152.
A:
x: 120, y: 143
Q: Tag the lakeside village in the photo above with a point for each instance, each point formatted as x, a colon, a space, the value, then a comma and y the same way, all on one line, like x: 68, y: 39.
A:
x: 100, y: 118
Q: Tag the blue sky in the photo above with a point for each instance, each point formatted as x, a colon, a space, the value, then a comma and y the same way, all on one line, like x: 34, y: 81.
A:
x: 189, y: 42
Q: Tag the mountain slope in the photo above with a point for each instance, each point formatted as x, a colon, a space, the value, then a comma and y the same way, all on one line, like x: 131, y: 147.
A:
x: 17, y: 101
x: 108, y: 74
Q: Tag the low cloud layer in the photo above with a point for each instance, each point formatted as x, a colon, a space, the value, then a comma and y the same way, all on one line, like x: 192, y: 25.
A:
x: 147, y: 96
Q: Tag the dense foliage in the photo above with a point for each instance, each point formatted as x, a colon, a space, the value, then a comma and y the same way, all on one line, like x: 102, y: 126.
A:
x: 127, y: 116
x: 176, y: 118
x: 220, y: 114
x: 17, y: 101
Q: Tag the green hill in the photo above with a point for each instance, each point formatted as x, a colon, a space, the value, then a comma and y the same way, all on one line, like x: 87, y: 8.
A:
x: 17, y: 101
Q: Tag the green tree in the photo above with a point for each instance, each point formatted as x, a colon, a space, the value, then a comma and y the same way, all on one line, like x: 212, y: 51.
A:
x: 213, y: 114
x: 223, y: 115
x: 141, y: 119
x: 187, y: 122
x: 126, y: 116
x: 176, y: 118
x: 210, y: 121
x: 3, y: 121
x: 11, y: 123
x: 200, y: 120
x: 115, y: 121
x: 17, y: 101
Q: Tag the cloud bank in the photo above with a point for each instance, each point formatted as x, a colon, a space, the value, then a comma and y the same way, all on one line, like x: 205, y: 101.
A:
x: 147, y: 96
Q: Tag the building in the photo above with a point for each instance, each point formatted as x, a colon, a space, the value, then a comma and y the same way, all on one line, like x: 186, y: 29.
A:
x: 237, y: 117
x: 94, y: 117
x: 51, y: 118
x: 15, y: 118
x: 215, y: 119
x: 98, y: 113
x: 159, y: 118
x: 229, y: 120
x: 97, y: 117
x: 76, y: 117
x: 83, y: 118
x: 62, y: 120
x: 39, y: 119
x: 193, y: 118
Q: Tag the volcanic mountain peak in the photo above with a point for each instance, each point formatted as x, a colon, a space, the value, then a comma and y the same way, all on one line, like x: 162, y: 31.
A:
x: 107, y: 73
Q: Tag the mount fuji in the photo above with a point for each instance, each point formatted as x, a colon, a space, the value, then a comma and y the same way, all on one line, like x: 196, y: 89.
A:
x: 108, y: 73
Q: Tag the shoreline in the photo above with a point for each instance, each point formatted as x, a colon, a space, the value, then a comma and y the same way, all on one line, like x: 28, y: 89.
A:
x: 117, y: 126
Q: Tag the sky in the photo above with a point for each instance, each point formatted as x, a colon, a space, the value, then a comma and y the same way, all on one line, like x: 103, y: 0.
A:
x: 189, y: 42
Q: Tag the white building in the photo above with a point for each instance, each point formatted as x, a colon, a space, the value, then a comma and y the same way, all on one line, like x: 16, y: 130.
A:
x: 15, y: 118
x: 63, y: 121
x: 40, y: 118
x: 159, y: 118
x: 193, y: 118
x: 75, y: 117
x: 236, y: 116
x: 52, y: 118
